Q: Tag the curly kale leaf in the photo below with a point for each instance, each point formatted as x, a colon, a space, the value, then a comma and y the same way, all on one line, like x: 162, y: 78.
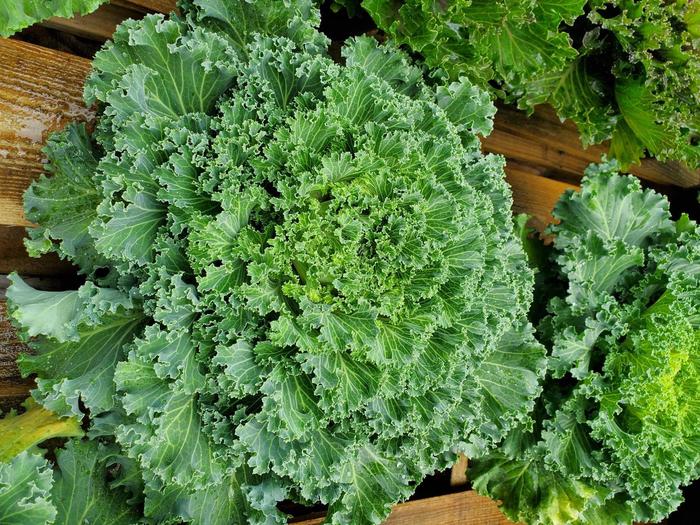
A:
x: 77, y: 339
x: 86, y: 485
x: 621, y: 70
x: 303, y: 281
x: 616, y: 429
x: 15, y: 16
x: 25, y: 490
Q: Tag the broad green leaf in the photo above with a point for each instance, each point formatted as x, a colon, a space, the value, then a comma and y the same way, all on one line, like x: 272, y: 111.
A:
x: 24, y: 431
x: 81, y: 336
x: 15, y: 16
x: 81, y: 490
x: 25, y: 491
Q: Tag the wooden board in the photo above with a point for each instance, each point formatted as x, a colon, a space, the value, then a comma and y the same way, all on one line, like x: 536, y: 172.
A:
x: 460, y: 508
x: 544, y: 141
x: 40, y: 92
x: 159, y: 6
x: 98, y: 25
x: 14, y: 257
x: 534, y: 194
x: 13, y: 389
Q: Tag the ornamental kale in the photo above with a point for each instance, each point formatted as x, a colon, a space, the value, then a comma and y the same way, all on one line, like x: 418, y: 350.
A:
x: 618, y: 425
x: 16, y: 15
x: 89, y: 484
x: 302, y: 279
x: 626, y: 70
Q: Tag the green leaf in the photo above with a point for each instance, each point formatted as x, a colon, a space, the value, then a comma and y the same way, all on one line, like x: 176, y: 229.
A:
x: 655, y: 131
x: 81, y: 490
x: 81, y: 335
x: 15, y: 16
x: 612, y: 207
x: 25, y: 491
x: 368, y: 477
x: 530, y: 492
x: 65, y: 204
x: 35, y: 425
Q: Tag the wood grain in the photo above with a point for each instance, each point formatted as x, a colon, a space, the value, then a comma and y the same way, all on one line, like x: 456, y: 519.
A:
x: 158, y: 6
x: 543, y: 140
x: 458, y: 472
x: 13, y: 389
x: 534, y: 194
x: 40, y: 92
x: 14, y: 257
x: 98, y: 25
x: 460, y: 508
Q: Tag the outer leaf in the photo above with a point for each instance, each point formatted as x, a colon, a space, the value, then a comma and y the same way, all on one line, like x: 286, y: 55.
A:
x: 36, y: 424
x: 66, y: 203
x: 81, y: 490
x: 80, y: 340
x: 15, y: 16
x: 25, y: 488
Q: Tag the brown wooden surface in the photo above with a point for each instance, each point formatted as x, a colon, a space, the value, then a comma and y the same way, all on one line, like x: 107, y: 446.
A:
x: 14, y: 258
x: 543, y: 140
x: 534, y: 194
x: 160, y: 6
x: 460, y: 508
x: 13, y: 389
x: 458, y: 472
x: 98, y: 25
x: 40, y: 92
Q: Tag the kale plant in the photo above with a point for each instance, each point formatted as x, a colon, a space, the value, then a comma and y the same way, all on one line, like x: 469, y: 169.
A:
x: 301, y: 278
x: 617, y: 430
x: 625, y: 70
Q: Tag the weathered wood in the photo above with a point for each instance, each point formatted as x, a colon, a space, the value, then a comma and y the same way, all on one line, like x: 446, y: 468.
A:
x: 159, y: 6
x: 534, y: 194
x: 14, y: 257
x: 13, y: 389
x: 543, y: 140
x: 458, y: 472
x: 40, y: 92
x: 98, y: 25
x: 460, y: 508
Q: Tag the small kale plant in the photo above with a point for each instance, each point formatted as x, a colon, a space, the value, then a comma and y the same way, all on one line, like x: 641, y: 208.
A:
x: 302, y: 280
x: 625, y: 70
x: 618, y: 424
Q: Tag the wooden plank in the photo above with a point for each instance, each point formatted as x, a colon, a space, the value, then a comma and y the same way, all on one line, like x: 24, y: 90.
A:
x: 13, y: 389
x: 458, y: 472
x: 534, y: 194
x: 460, y: 508
x: 98, y: 25
x: 157, y: 6
x: 543, y: 140
x: 40, y: 92
x: 14, y: 257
